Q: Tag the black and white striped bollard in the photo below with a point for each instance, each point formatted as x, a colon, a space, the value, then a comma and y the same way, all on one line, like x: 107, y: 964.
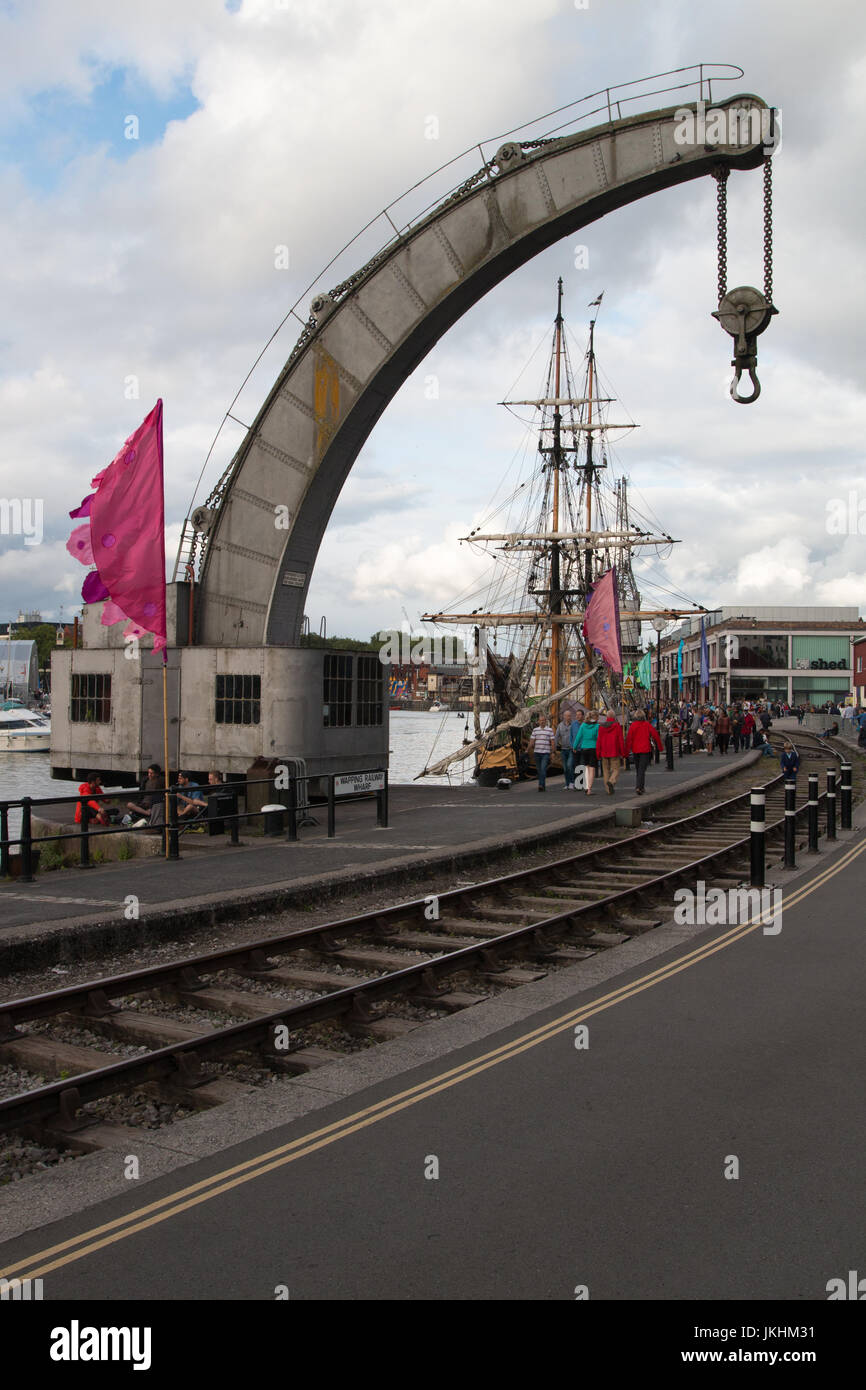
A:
x: 845, y: 800
x: 831, y: 803
x: 757, y: 827
x: 790, y: 825
x: 813, y: 813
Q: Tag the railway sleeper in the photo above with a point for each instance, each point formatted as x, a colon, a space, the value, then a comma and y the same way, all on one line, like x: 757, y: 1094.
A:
x: 150, y: 1030
x: 234, y: 1001
x: 310, y: 977
x: 476, y: 928
x: 432, y: 941
x: 46, y: 1057
x: 377, y: 960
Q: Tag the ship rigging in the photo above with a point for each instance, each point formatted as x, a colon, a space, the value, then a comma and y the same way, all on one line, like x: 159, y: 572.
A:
x: 573, y: 524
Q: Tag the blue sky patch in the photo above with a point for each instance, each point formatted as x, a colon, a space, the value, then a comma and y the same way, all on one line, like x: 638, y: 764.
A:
x: 122, y: 113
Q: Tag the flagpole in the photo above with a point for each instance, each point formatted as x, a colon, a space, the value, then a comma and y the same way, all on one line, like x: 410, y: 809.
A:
x: 165, y: 741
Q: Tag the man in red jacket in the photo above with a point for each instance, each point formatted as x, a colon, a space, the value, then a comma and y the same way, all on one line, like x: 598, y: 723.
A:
x: 610, y: 750
x: 641, y: 737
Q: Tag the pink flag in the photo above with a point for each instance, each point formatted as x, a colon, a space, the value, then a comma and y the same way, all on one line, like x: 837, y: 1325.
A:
x: 127, y: 535
x: 601, y: 621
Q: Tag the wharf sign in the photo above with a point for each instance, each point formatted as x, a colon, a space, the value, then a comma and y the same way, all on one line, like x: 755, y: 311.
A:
x: 353, y: 783
x: 399, y: 649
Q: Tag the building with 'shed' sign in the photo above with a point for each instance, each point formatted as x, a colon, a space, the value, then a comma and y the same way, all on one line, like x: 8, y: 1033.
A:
x: 802, y: 655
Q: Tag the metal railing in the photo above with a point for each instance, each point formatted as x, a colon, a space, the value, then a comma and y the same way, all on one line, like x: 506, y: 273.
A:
x: 220, y: 802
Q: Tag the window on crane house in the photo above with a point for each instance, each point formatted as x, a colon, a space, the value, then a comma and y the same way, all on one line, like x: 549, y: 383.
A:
x: 238, y: 700
x: 337, y: 692
x: 368, y: 705
x: 90, y: 699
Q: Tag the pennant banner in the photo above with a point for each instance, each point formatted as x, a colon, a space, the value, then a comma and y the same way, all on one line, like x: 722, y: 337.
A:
x: 644, y: 671
x: 124, y: 536
x: 601, y: 621
x: 705, y: 658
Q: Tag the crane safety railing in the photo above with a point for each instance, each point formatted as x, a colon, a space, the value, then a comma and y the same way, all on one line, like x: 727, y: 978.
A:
x: 404, y: 215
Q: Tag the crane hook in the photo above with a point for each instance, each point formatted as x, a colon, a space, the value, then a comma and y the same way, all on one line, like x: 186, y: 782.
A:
x: 739, y: 368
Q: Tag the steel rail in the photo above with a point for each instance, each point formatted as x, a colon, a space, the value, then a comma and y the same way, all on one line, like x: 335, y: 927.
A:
x: 182, y: 1061
x: 252, y: 955
x: 249, y: 954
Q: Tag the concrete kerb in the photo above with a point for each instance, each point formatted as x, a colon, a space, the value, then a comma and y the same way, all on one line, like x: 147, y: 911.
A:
x: 77, y: 938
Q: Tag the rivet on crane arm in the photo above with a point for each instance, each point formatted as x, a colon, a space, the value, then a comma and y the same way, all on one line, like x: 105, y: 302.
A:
x: 744, y: 312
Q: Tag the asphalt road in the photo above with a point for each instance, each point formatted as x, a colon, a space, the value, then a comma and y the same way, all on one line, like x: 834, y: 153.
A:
x: 608, y: 1166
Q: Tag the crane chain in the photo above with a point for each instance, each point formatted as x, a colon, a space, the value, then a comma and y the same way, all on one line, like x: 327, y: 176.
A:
x: 720, y: 174
x: 768, y: 230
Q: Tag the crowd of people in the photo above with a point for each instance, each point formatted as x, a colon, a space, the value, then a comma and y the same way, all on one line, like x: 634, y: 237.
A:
x: 149, y: 809
x: 589, y: 742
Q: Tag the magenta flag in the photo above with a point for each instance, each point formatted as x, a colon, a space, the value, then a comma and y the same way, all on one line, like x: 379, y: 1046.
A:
x: 127, y: 535
x: 601, y: 621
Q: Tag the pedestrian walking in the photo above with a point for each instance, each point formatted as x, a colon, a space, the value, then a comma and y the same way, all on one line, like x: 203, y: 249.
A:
x: 541, y: 742
x: 641, y: 737
x: 610, y: 751
x: 563, y: 743
x: 790, y: 761
x: 748, y: 731
x: 584, y: 744
x: 723, y: 731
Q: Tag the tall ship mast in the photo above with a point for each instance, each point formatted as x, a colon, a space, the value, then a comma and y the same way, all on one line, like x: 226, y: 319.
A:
x: 567, y: 523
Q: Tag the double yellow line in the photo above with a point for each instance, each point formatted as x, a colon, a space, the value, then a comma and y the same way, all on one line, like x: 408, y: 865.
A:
x: 122, y: 1227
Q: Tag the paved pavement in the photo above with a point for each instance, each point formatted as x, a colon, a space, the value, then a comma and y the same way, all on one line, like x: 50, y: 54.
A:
x: 429, y: 827
x: 704, y: 1141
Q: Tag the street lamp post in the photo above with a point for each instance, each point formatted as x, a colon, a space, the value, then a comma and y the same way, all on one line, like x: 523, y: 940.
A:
x: 659, y: 624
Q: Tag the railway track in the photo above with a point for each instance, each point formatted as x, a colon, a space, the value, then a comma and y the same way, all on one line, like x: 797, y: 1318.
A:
x: 435, y: 955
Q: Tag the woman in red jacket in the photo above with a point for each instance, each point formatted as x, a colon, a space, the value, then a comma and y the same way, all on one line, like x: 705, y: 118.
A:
x: 747, y: 732
x: 641, y: 737
x: 610, y: 751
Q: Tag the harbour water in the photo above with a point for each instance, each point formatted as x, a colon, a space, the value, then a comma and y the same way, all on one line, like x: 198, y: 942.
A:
x: 412, y: 738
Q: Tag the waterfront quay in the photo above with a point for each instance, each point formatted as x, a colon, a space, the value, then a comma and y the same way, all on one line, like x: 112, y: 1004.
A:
x: 438, y: 829
x: 487, y: 1156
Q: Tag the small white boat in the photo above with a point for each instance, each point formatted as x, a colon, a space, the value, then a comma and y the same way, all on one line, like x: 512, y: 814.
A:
x: 23, y: 730
x: 435, y: 708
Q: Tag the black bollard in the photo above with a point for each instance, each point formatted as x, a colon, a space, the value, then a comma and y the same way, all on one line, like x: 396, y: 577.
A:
x: 292, y: 819
x: 689, y: 739
x: 680, y: 748
x: 845, y: 806
x: 173, y: 835
x: 26, y: 844
x: 790, y: 825
x: 382, y: 804
x: 758, y: 828
x: 4, y: 838
x: 84, y: 840
x: 813, y: 813
x: 332, y: 817
x: 669, y: 752
x: 831, y: 803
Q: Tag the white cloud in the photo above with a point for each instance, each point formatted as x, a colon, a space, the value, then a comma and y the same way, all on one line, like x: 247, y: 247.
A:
x: 311, y: 118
